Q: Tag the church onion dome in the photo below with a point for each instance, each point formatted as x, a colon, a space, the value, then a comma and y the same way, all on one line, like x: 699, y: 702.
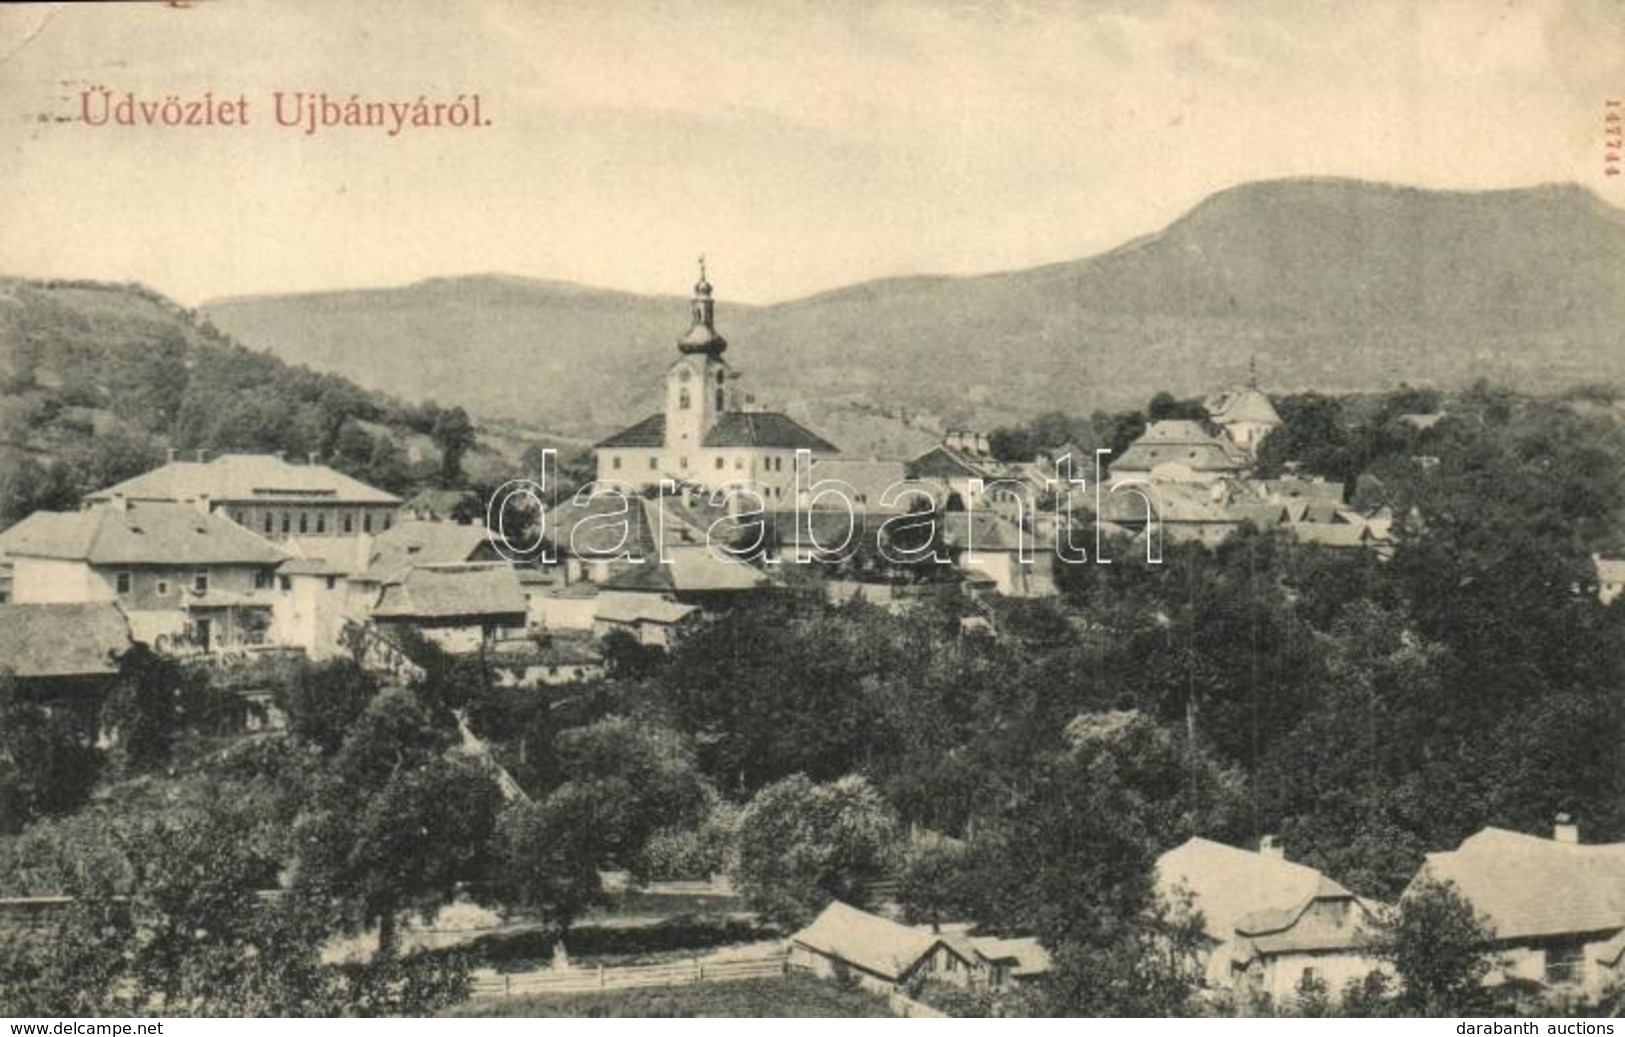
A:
x: 702, y: 336
x: 702, y: 339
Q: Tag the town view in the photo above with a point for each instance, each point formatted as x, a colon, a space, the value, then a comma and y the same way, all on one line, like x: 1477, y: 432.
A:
x: 910, y: 510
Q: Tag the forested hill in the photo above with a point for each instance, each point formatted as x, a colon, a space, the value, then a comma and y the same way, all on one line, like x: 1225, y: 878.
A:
x: 98, y: 381
x: 1334, y: 285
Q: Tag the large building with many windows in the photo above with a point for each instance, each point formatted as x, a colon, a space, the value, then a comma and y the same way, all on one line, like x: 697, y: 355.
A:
x: 265, y: 493
x: 708, y: 434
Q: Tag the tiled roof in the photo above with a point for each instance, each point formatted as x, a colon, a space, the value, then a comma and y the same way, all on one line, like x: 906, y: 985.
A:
x: 1299, y: 930
x: 141, y: 533
x: 428, y: 543
x: 765, y: 429
x: 246, y: 478
x: 324, y: 555
x: 62, y: 640
x: 1530, y: 886
x: 1228, y: 884
x: 1027, y: 957
x: 944, y: 462
x: 641, y: 608
x: 650, y: 432
x: 601, y: 527
x: 1183, y: 443
x: 1242, y: 405
x: 451, y: 592
x: 875, y: 944
x: 689, y: 570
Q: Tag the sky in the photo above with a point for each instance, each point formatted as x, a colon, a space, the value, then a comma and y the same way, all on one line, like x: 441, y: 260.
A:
x: 800, y: 146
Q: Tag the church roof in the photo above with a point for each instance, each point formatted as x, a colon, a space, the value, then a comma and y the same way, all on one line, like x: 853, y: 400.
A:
x: 1179, y: 442
x: 1242, y: 405
x: 650, y: 432
x: 765, y: 429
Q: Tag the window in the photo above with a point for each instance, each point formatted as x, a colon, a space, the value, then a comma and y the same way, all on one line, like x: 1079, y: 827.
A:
x: 683, y: 400
x: 200, y: 582
x: 287, y: 522
x: 122, y: 580
x: 366, y: 523
x: 653, y: 463
x: 349, y: 523
x: 304, y: 522
x: 286, y: 582
x: 388, y: 520
x: 615, y: 462
x: 721, y: 463
x: 262, y: 580
x: 321, y: 523
x: 684, y: 463
x: 1565, y: 963
x: 267, y: 523
x: 163, y: 588
x: 332, y: 582
x: 719, y: 398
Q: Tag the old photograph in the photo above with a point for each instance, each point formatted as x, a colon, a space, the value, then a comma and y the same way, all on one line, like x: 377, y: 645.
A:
x: 902, y: 509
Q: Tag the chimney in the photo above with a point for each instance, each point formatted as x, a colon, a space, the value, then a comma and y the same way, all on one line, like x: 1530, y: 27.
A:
x: 173, y: 453
x: 202, y: 455
x: 203, y: 503
x: 1268, y: 847
x: 955, y: 440
x: 314, y: 457
x: 982, y: 447
x: 1566, y: 831
x: 281, y: 455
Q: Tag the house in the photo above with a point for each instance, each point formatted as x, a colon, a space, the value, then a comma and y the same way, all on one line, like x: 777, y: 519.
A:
x: 188, y: 579
x: 1268, y: 922
x: 1179, y: 451
x: 709, y: 435
x: 558, y: 660
x: 1012, y: 961
x: 333, y: 581
x: 652, y: 619
x: 265, y: 493
x: 1610, y: 578
x: 64, y: 653
x: 1557, y: 905
x: 461, y: 607
x: 880, y: 954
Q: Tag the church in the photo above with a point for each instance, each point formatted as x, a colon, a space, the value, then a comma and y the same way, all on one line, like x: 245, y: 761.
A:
x: 709, y: 435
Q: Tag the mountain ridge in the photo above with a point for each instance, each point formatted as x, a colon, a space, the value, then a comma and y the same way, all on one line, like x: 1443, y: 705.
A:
x: 1331, y: 283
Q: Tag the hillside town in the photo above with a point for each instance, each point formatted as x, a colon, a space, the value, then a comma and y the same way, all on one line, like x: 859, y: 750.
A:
x: 241, y: 568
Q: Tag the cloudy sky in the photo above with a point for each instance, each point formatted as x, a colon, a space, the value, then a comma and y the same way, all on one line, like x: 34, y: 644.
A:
x: 801, y: 146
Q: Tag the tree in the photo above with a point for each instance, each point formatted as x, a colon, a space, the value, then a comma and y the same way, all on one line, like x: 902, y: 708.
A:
x: 323, y: 700
x: 48, y: 762
x: 453, y: 433
x: 546, y: 858
x: 395, y: 823
x: 802, y: 844
x: 930, y: 884
x: 1439, y: 947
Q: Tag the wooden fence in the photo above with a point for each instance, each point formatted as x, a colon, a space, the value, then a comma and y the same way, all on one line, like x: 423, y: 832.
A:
x: 586, y: 980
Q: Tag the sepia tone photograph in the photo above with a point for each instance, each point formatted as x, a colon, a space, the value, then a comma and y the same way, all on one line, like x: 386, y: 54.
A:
x: 904, y: 509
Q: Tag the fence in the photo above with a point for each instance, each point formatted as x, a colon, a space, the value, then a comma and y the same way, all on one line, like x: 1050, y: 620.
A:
x: 668, y: 974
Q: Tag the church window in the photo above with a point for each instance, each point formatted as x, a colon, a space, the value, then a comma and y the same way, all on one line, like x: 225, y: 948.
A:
x: 683, y: 400
x: 684, y: 463
x: 719, y: 397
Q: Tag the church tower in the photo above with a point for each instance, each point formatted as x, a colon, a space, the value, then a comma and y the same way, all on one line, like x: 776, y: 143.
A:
x: 699, y: 385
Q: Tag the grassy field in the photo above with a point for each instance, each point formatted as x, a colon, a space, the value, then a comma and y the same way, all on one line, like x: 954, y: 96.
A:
x: 786, y: 997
